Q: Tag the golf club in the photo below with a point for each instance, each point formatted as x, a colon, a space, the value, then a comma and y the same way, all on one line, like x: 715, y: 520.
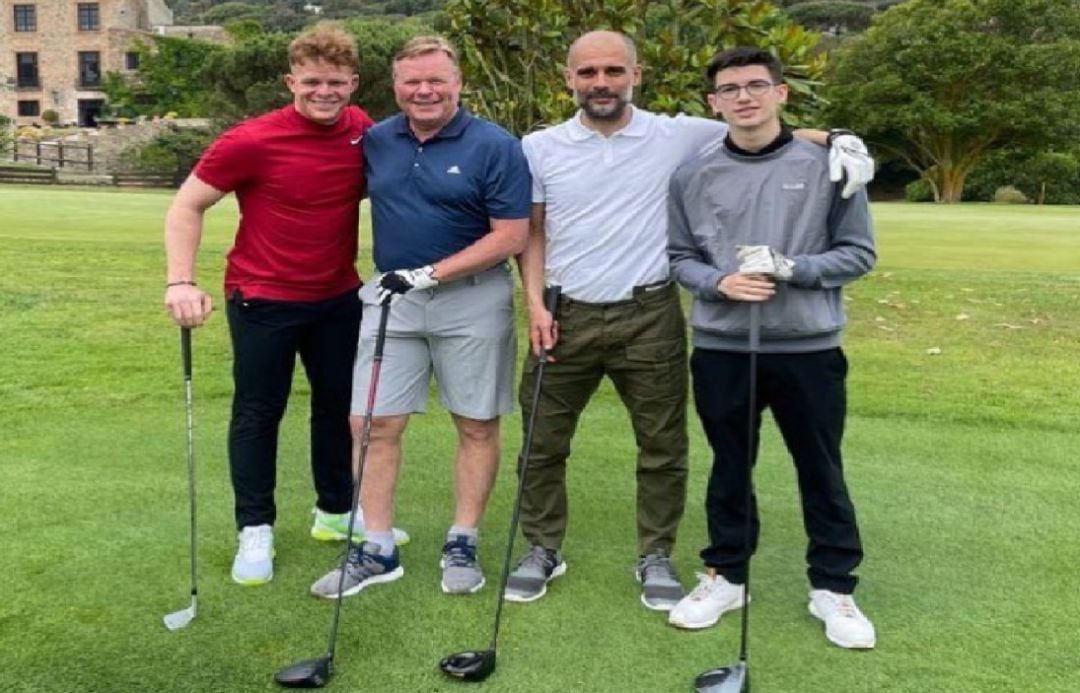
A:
x: 316, y: 673
x: 736, y: 677
x: 473, y: 665
x: 179, y: 619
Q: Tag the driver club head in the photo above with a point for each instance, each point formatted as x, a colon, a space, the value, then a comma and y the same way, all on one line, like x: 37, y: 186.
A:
x: 310, y: 673
x: 732, y: 679
x: 179, y: 619
x: 469, y: 666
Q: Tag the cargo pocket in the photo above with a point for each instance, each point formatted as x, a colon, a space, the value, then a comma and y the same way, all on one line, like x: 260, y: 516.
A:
x: 662, y: 355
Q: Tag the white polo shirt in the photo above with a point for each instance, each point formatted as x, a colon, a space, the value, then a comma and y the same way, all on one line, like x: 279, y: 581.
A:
x: 605, y: 199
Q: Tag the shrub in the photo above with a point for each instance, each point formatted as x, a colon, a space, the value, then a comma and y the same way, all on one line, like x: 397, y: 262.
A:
x: 50, y: 116
x: 175, y: 151
x: 918, y: 191
x: 1008, y: 195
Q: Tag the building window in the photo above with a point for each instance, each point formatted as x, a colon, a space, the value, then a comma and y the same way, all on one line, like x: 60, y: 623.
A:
x: 89, y: 16
x: 29, y: 109
x: 25, y: 18
x: 89, y: 69
x: 131, y: 60
x: 26, y: 67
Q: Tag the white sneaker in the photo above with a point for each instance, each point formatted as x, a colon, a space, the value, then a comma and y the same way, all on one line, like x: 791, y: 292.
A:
x: 334, y: 526
x: 704, y: 606
x: 845, y: 625
x: 254, y: 562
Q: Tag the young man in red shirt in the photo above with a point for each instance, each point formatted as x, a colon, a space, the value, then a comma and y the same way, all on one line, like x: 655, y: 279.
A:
x: 290, y: 282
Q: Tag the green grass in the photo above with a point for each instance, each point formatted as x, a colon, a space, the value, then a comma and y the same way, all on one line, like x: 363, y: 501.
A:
x: 961, y: 463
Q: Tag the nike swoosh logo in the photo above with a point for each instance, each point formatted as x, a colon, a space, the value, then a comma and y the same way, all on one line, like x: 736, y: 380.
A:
x: 357, y: 140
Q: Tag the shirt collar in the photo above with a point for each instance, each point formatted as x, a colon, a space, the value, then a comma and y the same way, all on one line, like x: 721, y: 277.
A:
x: 454, y: 128
x: 637, y: 127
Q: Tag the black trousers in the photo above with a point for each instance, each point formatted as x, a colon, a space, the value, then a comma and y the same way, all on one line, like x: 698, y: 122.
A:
x: 808, y: 400
x: 267, y: 336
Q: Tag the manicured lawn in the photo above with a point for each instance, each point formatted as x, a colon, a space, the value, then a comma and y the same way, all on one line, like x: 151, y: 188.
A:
x: 962, y: 463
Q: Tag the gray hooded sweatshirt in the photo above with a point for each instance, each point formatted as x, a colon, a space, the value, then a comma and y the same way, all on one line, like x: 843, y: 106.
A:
x: 782, y: 198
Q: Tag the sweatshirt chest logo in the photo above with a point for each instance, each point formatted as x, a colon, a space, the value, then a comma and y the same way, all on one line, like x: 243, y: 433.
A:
x: 454, y: 170
x: 794, y: 185
x: 356, y: 141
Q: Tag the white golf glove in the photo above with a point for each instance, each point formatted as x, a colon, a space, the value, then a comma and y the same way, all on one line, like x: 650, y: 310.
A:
x: 394, y: 284
x: 848, y: 155
x: 761, y: 259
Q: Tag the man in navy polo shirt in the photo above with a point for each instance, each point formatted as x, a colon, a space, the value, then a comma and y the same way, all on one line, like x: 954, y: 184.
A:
x: 450, y: 198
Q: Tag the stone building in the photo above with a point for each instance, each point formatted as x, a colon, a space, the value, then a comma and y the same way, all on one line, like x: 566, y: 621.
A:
x: 54, y: 53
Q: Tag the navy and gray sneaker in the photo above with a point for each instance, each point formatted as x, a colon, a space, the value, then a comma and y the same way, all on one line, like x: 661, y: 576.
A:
x: 363, y: 568
x: 461, y: 572
x: 530, y: 577
x: 660, y: 586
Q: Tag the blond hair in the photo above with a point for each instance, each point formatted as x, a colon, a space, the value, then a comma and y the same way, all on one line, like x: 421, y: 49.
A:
x: 425, y: 45
x: 328, y: 42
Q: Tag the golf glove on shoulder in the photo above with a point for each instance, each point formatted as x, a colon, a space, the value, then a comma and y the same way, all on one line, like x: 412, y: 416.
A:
x: 394, y: 284
x: 848, y: 156
x: 761, y: 259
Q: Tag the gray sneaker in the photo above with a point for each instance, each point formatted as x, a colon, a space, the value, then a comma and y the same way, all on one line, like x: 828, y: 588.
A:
x: 364, y: 567
x: 660, y: 586
x: 461, y: 573
x: 530, y: 577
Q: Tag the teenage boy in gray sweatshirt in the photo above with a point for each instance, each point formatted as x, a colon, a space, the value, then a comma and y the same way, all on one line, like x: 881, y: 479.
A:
x: 757, y: 221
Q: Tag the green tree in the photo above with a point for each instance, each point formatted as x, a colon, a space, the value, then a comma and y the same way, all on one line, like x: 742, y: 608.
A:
x: 513, y: 52
x: 940, y: 83
x: 168, y: 79
x: 836, y: 16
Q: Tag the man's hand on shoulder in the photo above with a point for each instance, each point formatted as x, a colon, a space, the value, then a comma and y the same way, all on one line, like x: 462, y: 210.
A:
x: 394, y: 284
x: 849, y: 158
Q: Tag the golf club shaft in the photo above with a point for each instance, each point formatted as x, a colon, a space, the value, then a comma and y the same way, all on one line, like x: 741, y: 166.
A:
x: 365, y: 439
x: 185, y: 352
x: 751, y: 448
x: 551, y: 302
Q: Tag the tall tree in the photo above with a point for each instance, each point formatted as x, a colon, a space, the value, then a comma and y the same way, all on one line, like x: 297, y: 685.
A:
x: 513, y: 52
x: 940, y: 83
x: 169, y: 78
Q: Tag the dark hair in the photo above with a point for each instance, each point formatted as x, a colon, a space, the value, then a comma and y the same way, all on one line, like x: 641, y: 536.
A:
x: 741, y: 56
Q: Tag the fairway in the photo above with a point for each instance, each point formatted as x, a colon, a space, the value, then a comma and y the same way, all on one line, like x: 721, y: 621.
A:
x: 960, y: 452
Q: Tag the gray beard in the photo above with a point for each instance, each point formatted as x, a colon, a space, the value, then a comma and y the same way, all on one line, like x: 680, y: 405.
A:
x: 614, y: 113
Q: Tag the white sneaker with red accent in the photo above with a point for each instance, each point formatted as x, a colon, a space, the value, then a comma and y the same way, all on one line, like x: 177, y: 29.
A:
x: 845, y: 624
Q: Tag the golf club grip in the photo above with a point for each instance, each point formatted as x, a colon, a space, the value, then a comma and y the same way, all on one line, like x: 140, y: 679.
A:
x: 551, y: 299
x: 185, y: 350
x: 755, y: 326
x: 380, y: 336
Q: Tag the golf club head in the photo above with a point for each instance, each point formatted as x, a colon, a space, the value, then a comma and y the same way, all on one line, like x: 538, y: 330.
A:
x: 469, y: 666
x: 179, y: 619
x: 732, y: 679
x: 310, y: 673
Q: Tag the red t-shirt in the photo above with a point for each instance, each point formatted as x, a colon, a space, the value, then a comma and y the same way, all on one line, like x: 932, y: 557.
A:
x: 298, y: 185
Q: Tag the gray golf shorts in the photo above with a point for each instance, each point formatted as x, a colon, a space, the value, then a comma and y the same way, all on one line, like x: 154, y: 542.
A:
x: 463, y: 332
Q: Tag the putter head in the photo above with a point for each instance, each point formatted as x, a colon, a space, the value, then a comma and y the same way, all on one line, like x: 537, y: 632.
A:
x: 179, y: 619
x: 310, y: 673
x: 469, y: 666
x: 732, y: 679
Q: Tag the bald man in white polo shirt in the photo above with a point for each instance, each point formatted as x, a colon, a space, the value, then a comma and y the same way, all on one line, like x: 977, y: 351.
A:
x: 599, y: 230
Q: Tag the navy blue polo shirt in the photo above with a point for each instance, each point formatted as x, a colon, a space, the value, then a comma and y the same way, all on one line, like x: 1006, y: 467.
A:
x: 430, y: 200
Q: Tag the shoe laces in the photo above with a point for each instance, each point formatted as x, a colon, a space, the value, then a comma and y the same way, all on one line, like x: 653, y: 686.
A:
x: 363, y: 562
x: 539, y: 557
x: 459, y: 553
x: 844, y: 605
x: 707, y: 584
x: 255, y: 542
x: 657, y: 565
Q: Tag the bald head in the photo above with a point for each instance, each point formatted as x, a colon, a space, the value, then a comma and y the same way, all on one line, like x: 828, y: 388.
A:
x: 604, y: 41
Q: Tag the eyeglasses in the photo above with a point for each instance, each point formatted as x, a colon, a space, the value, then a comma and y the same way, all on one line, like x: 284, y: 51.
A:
x: 755, y: 87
